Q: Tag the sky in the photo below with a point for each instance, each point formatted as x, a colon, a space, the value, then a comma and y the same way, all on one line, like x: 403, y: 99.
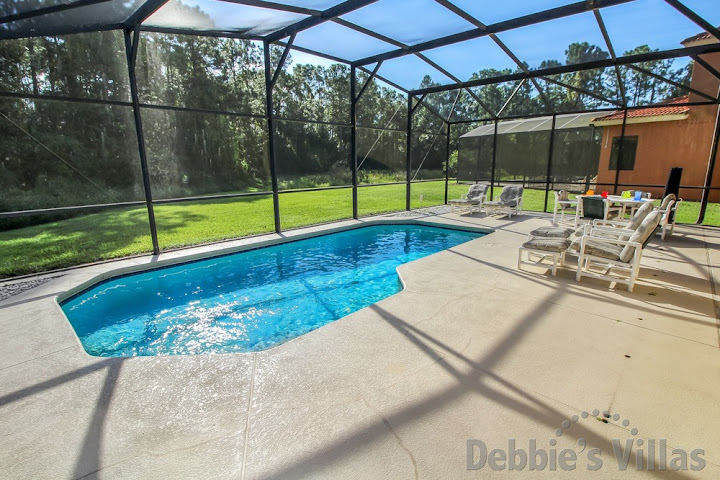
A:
x: 651, y: 22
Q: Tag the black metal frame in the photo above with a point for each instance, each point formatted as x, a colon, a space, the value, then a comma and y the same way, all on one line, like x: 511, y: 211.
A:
x: 133, y: 25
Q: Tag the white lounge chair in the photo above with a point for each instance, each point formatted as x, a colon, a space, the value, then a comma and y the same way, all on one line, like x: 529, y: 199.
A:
x: 509, y: 201
x: 618, y: 260
x: 476, y: 195
x: 668, y: 208
x: 624, y: 226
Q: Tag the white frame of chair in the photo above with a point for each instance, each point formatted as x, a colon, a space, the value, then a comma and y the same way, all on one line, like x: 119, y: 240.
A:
x: 586, y: 261
x: 562, y: 204
x: 669, y: 211
x: 558, y: 258
x: 470, y: 203
x: 508, y: 209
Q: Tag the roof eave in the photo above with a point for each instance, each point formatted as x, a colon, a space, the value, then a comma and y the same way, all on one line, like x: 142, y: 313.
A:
x: 675, y: 117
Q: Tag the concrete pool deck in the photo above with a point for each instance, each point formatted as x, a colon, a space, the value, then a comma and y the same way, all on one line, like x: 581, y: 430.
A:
x: 472, y: 349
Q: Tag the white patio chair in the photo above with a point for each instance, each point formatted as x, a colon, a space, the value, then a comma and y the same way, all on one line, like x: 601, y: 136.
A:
x: 618, y: 260
x: 563, y: 203
x: 476, y: 195
x: 668, y: 208
x: 509, y: 201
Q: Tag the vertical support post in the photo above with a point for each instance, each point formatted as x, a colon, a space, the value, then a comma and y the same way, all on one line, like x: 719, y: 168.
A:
x: 549, y: 166
x: 447, y: 161
x: 131, y: 47
x: 408, y: 163
x: 353, y: 139
x: 620, y: 151
x: 494, y: 160
x: 710, y: 170
x: 271, y: 134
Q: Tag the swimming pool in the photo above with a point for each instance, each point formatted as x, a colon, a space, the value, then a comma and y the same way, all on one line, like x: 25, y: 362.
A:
x: 251, y: 300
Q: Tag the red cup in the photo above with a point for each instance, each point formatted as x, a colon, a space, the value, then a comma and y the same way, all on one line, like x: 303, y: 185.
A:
x: 604, y: 194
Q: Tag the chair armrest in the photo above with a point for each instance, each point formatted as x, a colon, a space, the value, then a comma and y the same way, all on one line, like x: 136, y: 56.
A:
x: 616, y: 232
x: 610, y: 241
x: 605, y: 223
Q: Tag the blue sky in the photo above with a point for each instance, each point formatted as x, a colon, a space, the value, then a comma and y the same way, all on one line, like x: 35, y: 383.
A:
x: 651, y: 22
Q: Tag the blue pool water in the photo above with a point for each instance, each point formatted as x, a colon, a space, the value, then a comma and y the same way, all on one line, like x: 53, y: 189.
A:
x: 251, y: 300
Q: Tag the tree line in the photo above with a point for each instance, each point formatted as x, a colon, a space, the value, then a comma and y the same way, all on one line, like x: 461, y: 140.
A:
x: 214, y: 140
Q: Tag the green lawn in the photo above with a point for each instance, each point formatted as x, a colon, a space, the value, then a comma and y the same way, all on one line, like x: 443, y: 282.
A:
x: 122, y: 232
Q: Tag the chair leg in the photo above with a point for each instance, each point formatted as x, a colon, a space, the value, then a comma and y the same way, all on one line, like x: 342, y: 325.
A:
x: 578, y: 273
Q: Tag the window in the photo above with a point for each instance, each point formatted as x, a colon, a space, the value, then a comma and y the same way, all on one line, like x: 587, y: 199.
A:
x: 629, y: 147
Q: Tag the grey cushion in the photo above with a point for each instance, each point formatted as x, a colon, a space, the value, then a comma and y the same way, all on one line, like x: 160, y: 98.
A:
x: 464, y: 201
x: 510, y: 194
x: 642, y: 234
x: 557, y: 232
x: 548, y: 244
x: 476, y: 191
x: 598, y: 248
x: 640, y: 215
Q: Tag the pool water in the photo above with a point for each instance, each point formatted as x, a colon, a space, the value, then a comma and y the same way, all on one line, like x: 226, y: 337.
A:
x: 251, y: 300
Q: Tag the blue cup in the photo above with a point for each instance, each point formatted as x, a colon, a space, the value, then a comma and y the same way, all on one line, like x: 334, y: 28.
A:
x: 638, y: 195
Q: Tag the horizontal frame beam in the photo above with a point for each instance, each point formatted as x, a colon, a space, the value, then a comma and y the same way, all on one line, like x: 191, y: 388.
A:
x: 326, y: 15
x: 639, y: 58
x: 527, y: 20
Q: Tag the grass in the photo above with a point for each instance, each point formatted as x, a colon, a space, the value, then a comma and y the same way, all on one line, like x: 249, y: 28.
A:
x: 123, y: 232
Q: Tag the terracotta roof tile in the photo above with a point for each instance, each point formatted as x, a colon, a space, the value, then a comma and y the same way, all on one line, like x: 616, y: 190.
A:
x: 697, y: 38
x: 674, y: 106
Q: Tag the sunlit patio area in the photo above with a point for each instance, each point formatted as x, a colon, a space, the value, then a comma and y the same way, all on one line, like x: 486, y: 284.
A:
x: 471, y: 349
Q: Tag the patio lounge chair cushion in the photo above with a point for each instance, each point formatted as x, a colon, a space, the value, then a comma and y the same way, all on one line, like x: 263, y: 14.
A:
x: 510, y: 195
x: 554, y: 232
x: 547, y: 244
x: 475, y: 195
x: 508, y: 198
x: 642, y: 234
x: 598, y: 249
x: 639, y: 216
x: 476, y: 191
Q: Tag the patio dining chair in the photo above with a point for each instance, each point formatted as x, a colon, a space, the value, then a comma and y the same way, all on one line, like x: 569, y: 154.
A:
x: 475, y: 196
x: 668, y: 208
x: 615, y: 259
x: 590, y: 208
x: 509, y: 201
x: 563, y: 204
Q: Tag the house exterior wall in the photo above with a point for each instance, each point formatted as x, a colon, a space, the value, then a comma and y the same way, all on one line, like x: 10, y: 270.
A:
x: 661, y: 146
x: 703, y: 80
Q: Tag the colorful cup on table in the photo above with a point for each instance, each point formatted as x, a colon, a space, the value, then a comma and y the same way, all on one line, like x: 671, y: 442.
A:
x: 591, y: 192
x: 604, y: 194
x: 638, y: 195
